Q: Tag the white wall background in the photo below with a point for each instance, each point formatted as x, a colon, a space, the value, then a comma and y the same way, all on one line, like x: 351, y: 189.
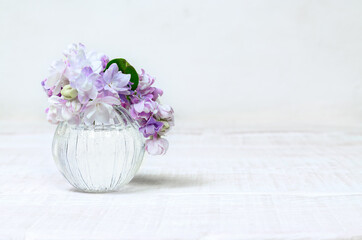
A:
x: 260, y: 64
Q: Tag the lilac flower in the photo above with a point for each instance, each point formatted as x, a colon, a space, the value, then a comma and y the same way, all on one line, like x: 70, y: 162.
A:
x: 80, y: 91
x: 63, y: 110
x: 53, y: 115
x: 145, y: 88
x: 156, y: 92
x: 71, y: 111
x: 143, y: 108
x: 124, y: 101
x: 145, y: 83
x: 116, y: 81
x: 94, y: 60
x: 73, y: 49
x: 156, y: 146
x: 54, y: 110
x: 100, y: 110
x: 78, y: 58
x: 48, y: 91
x: 67, y: 70
x: 166, y: 127
x: 86, y: 85
x: 165, y: 112
x: 151, y: 127
x: 57, y: 77
x: 104, y: 60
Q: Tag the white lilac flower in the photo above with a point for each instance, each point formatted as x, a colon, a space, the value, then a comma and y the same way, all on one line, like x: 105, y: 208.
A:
x: 100, y: 110
x: 73, y: 49
x: 115, y: 81
x: 165, y: 112
x: 165, y: 115
x: 54, y: 114
x: 71, y: 111
x: 63, y: 110
x: 57, y: 78
x: 78, y: 58
x: 85, y: 84
x: 156, y: 146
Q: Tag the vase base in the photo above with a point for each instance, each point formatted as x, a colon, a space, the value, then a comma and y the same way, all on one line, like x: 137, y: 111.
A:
x: 96, y: 190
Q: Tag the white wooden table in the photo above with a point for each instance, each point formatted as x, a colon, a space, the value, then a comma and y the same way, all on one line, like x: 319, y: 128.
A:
x: 208, y: 186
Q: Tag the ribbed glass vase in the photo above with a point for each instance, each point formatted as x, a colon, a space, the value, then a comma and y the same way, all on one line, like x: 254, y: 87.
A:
x: 99, y: 158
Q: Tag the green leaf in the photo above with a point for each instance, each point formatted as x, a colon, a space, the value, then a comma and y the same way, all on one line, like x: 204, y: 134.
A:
x: 126, y: 68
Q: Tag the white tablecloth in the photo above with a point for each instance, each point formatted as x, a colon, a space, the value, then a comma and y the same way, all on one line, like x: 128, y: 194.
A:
x: 208, y: 186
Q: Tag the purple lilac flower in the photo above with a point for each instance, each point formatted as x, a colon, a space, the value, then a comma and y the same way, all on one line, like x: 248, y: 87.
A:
x: 50, y: 92
x: 142, y: 109
x: 151, y: 127
x: 104, y: 60
x: 124, y: 101
x: 145, y: 83
x: 145, y: 88
x: 115, y: 81
x: 86, y: 85
x: 156, y: 92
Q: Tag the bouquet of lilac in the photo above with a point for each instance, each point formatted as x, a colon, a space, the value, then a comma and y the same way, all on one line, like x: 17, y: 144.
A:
x: 84, y: 86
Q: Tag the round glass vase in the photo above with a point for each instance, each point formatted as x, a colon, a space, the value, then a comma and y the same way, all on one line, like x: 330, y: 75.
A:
x: 99, y: 158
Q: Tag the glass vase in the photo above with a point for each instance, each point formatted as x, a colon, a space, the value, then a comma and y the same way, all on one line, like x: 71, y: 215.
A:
x: 99, y: 158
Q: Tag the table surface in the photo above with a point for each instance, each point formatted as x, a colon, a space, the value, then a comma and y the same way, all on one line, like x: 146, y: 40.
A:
x: 209, y: 186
